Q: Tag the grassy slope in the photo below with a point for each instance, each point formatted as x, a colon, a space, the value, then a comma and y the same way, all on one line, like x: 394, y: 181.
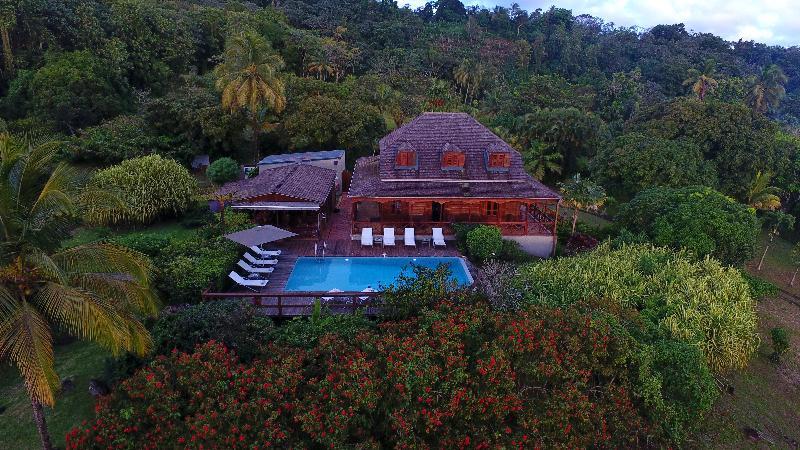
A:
x: 87, y: 235
x: 765, y: 398
x: 79, y: 360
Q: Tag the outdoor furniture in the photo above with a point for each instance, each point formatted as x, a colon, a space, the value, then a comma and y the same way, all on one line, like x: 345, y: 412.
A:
x: 328, y: 299
x: 438, y: 238
x: 377, y: 239
x: 264, y: 253
x: 366, y: 236
x: 255, y: 270
x: 426, y: 240
x: 249, y: 284
x: 388, y: 236
x: 367, y: 289
x: 260, y: 262
x: 409, y: 237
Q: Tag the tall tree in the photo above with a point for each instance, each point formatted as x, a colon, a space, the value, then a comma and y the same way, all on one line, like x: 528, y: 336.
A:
x: 96, y: 292
x: 8, y: 19
x: 540, y: 161
x: 581, y: 194
x: 702, y: 81
x: 249, y: 79
x: 767, y: 90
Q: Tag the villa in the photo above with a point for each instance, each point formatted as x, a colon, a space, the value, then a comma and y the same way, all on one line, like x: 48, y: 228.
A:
x: 445, y: 168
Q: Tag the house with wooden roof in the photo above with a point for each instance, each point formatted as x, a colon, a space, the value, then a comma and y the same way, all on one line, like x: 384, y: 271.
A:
x: 294, y: 196
x: 446, y: 168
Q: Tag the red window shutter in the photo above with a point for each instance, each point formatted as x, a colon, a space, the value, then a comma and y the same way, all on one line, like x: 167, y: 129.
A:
x: 453, y: 159
x: 499, y: 160
x: 461, y: 159
x: 406, y: 158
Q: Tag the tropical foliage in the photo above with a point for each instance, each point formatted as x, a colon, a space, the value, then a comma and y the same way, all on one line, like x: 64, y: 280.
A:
x: 97, y: 292
x: 223, y: 170
x: 456, y: 376
x: 700, y: 302
x: 151, y: 187
x: 695, y: 218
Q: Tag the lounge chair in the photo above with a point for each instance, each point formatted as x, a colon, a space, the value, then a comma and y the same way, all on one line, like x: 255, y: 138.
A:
x: 264, y: 253
x: 256, y: 270
x: 409, y: 237
x: 259, y: 262
x: 249, y: 284
x: 438, y: 238
x: 366, y: 236
x: 388, y: 236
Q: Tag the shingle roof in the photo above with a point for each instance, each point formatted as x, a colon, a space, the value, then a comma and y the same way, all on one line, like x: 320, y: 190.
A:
x: 301, y: 181
x: 302, y: 157
x: 429, y: 135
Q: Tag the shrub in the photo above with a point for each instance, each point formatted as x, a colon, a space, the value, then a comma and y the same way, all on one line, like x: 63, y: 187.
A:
x: 780, y: 342
x: 580, y: 243
x: 193, y: 265
x: 460, y: 233
x: 306, y: 331
x: 496, y: 281
x: 760, y: 288
x: 234, y: 323
x: 412, y: 294
x: 697, y: 218
x: 223, y: 170
x: 150, y: 188
x: 151, y: 244
x: 699, y: 302
x: 454, y: 377
x: 511, y: 251
x: 484, y: 242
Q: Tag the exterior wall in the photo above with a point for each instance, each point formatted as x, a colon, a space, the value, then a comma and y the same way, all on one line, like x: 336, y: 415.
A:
x: 541, y: 246
x: 514, y: 217
x: 335, y: 164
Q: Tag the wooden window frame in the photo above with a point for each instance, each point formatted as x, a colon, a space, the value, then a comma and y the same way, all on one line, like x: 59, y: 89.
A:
x: 453, y: 160
x: 401, y: 159
x: 492, y: 209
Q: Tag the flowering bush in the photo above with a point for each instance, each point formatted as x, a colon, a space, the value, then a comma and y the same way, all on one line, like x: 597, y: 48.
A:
x: 580, y: 243
x: 454, y: 377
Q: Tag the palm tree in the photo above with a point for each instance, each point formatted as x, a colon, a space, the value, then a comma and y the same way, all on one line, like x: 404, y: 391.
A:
x: 249, y: 80
x: 539, y: 162
x: 767, y: 90
x: 702, y: 81
x: 581, y: 194
x: 96, y: 292
x: 760, y: 195
x: 462, y: 77
x: 8, y: 19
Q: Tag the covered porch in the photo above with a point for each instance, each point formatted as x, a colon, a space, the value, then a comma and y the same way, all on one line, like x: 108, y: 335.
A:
x: 514, y: 217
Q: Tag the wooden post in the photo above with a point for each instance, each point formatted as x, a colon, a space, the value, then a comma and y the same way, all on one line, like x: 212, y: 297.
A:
x: 527, y: 214
x: 280, y: 306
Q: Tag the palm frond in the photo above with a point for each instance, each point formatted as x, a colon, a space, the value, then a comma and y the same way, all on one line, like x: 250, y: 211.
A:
x: 26, y: 341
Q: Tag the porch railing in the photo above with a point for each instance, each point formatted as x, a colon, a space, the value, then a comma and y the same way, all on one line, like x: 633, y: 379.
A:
x: 508, y: 228
x: 294, y: 304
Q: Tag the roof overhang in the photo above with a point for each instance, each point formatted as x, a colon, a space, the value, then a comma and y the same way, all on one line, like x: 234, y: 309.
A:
x: 278, y: 206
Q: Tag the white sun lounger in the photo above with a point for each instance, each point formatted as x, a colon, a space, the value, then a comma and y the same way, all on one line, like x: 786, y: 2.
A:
x: 260, y: 262
x: 366, y: 236
x: 264, y: 253
x: 249, y: 284
x: 438, y: 237
x: 409, y: 237
x: 388, y: 236
x: 252, y: 269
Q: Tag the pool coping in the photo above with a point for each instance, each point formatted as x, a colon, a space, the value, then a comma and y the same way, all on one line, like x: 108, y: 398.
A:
x: 461, y: 260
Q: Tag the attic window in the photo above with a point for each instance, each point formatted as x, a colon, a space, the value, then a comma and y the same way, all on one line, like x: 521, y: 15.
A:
x: 453, y: 160
x: 498, y: 161
x: 406, y: 159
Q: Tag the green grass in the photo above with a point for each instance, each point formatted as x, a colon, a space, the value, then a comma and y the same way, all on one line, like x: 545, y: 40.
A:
x: 777, y: 267
x: 87, y: 235
x: 79, y: 360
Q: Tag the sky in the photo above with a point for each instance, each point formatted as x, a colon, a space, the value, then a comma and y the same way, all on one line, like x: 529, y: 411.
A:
x: 773, y: 22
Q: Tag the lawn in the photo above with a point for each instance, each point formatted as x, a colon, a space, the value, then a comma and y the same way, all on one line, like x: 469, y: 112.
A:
x: 761, y: 405
x: 79, y: 361
x: 778, y: 267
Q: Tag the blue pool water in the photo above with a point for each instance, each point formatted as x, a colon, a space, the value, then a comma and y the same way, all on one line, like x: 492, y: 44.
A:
x: 357, y: 273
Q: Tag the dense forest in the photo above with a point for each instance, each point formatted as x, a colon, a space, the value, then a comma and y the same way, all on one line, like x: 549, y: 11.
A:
x: 122, y: 78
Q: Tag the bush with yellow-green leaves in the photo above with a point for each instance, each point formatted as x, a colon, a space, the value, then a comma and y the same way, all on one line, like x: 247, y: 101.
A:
x: 147, y: 188
x: 700, y: 302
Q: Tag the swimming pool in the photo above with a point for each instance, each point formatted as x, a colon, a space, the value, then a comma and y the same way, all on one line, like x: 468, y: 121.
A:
x: 357, y: 273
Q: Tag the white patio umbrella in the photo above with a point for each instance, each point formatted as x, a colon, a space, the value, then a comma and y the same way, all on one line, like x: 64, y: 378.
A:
x: 260, y: 235
x: 334, y: 290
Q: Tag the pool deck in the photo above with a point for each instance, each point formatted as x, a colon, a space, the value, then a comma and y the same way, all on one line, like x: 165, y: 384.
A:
x: 295, y: 248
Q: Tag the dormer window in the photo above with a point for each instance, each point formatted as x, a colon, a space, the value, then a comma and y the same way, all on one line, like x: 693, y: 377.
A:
x: 453, y: 160
x: 498, y: 161
x: 406, y: 159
